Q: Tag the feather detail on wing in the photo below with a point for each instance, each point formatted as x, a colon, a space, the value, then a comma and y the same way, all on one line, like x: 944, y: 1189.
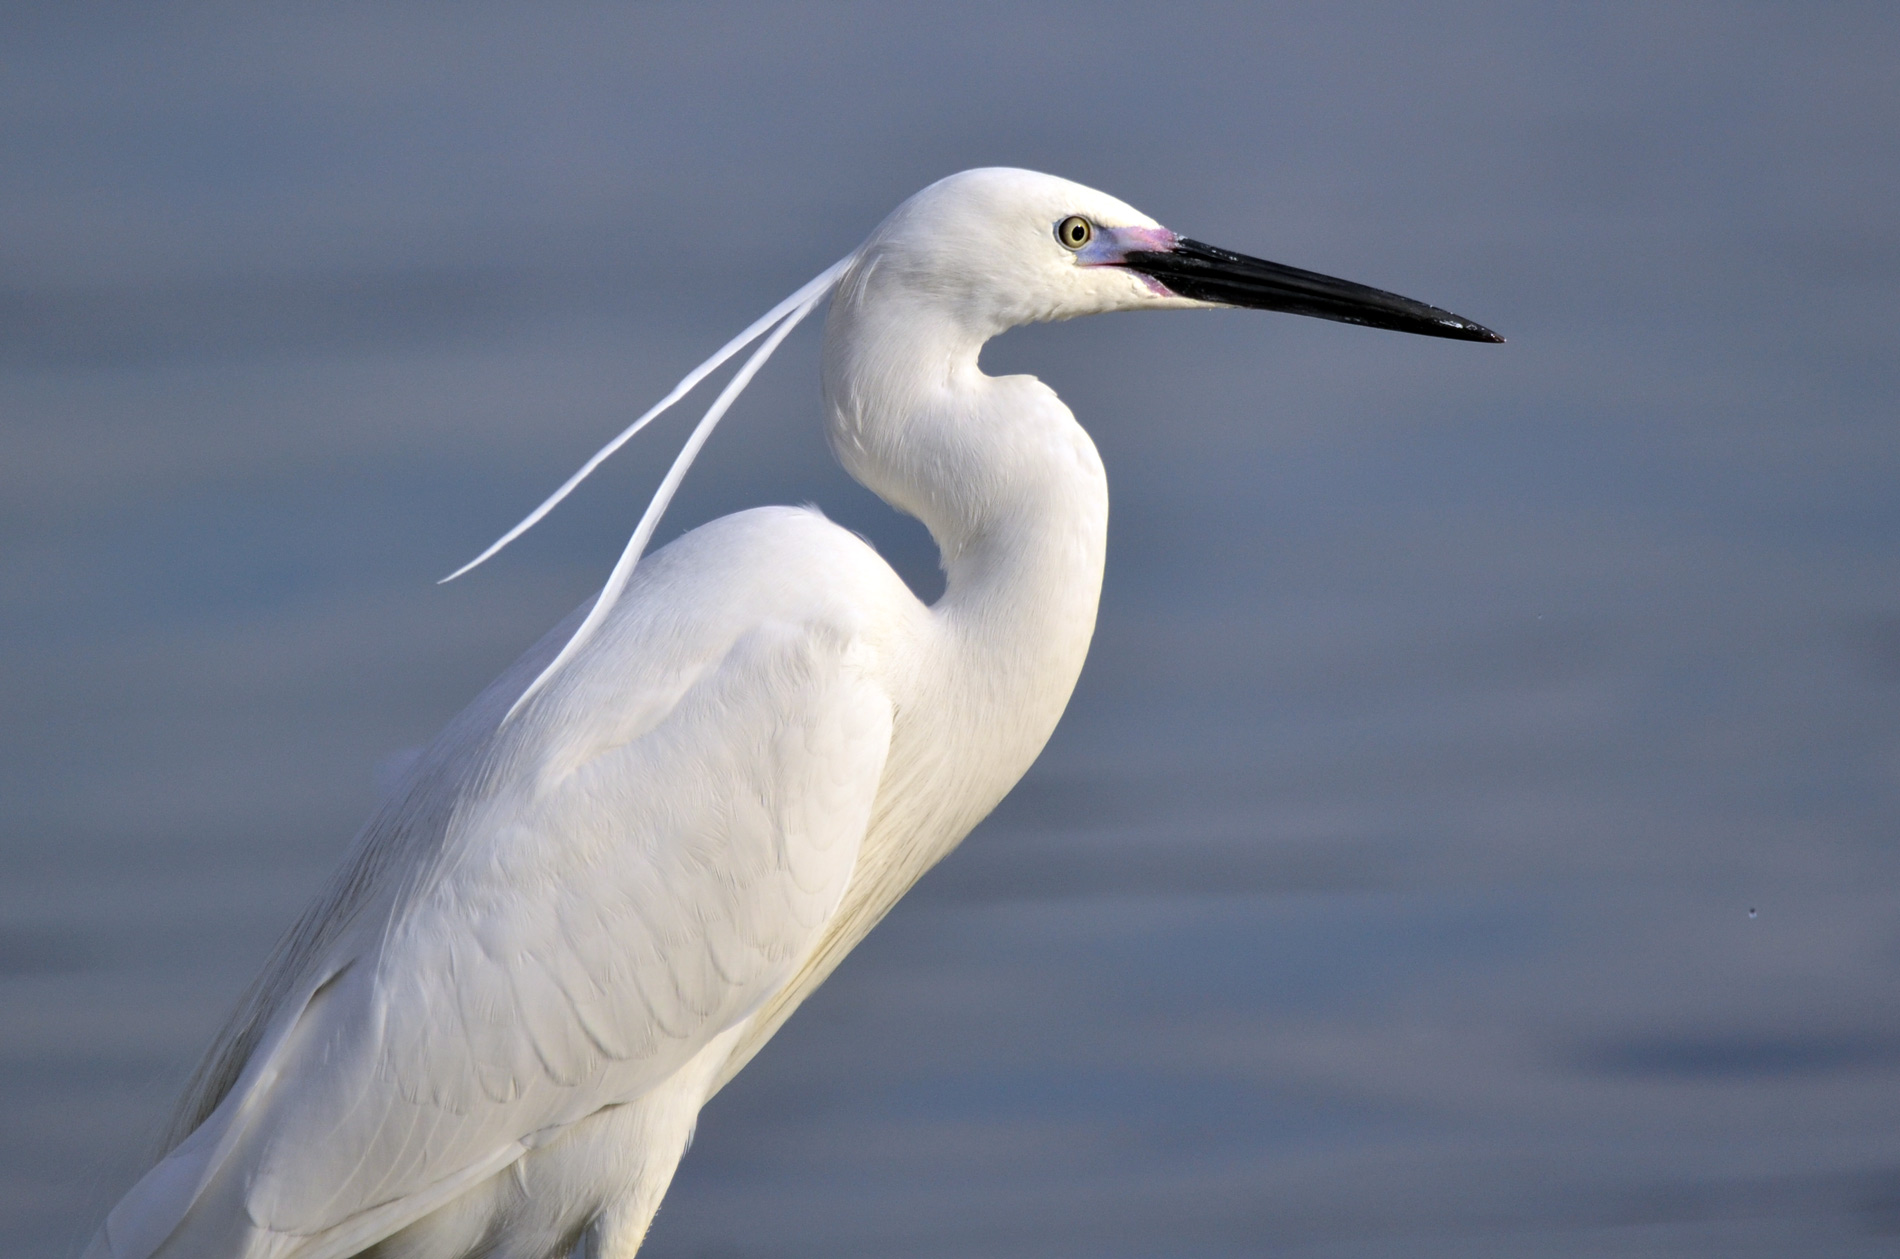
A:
x: 595, y: 911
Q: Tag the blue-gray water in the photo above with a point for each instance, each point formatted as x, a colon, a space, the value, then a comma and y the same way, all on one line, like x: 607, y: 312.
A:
x: 1475, y: 833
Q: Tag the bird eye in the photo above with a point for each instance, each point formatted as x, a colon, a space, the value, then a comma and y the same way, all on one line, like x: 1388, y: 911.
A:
x: 1075, y: 231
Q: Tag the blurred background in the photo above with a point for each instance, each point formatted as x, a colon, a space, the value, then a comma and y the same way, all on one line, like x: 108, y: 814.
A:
x: 1475, y: 831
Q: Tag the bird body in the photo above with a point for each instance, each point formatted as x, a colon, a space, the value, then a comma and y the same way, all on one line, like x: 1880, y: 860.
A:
x: 613, y: 876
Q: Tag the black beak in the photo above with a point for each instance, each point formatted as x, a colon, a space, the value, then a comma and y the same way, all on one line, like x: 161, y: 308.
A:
x: 1206, y: 274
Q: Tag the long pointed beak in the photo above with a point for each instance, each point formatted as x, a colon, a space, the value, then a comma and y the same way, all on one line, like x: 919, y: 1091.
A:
x: 1203, y: 273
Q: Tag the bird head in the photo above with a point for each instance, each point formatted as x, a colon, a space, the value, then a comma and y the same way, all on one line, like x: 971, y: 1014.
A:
x: 997, y: 247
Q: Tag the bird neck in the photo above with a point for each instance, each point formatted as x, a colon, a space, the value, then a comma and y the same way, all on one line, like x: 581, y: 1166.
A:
x: 1008, y: 484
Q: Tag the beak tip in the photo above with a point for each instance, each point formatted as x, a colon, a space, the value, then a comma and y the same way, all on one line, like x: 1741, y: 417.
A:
x: 1462, y: 329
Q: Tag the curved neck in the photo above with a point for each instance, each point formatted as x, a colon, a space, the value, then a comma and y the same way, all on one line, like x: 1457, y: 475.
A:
x: 995, y: 467
x: 1008, y: 484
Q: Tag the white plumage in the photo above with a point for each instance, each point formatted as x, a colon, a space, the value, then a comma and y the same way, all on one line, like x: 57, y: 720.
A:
x: 615, y: 874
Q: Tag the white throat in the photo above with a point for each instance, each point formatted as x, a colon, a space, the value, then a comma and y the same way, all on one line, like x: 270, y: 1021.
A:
x: 1008, y: 484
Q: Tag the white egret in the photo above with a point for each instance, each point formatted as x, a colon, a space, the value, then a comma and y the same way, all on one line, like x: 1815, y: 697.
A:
x: 611, y: 878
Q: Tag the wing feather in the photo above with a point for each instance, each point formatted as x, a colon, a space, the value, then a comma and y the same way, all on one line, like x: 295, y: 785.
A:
x: 593, y: 916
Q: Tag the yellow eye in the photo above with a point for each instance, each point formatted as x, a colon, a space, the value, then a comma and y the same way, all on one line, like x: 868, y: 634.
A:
x: 1075, y: 231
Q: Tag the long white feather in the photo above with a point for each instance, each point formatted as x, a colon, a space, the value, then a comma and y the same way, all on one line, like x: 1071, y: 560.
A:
x: 802, y: 300
x: 812, y: 293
